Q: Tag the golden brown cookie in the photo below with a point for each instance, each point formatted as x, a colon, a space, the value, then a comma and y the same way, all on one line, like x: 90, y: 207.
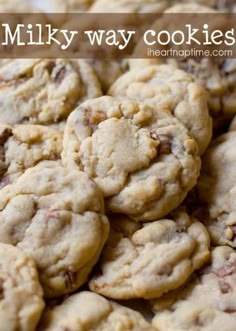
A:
x: 128, y: 6
x: 164, y: 86
x: 148, y: 261
x: 207, y: 303
x: 142, y: 158
x: 21, y: 295
x: 55, y: 216
x: 44, y: 91
x: 87, y: 311
x: 23, y: 146
x: 217, y: 190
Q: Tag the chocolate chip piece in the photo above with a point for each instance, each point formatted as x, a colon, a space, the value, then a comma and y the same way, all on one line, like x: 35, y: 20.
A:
x: 70, y: 278
x: 60, y: 75
x: 4, y: 135
x: 165, y: 145
x: 224, y: 287
x: 1, y: 288
x: 50, y: 65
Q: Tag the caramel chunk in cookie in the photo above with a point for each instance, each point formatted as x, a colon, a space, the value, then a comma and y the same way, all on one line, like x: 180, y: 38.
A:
x: 56, y: 216
x: 21, y: 296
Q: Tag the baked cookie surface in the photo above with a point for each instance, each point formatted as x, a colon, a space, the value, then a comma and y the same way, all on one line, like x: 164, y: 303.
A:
x: 44, y: 91
x: 23, y: 146
x: 217, y: 190
x: 16, y: 6
x: 207, y: 303
x: 88, y: 311
x: 221, y: 5
x: 107, y: 72
x: 143, y: 159
x: 128, y: 6
x: 21, y: 296
x: 172, y: 89
x: 56, y: 216
x: 148, y: 261
x: 215, y: 74
x: 72, y: 6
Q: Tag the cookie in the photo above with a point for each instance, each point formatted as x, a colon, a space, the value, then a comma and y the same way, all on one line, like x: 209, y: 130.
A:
x: 72, y: 6
x: 128, y: 6
x: 3, y: 62
x: 217, y: 190
x: 148, y: 261
x: 55, y: 216
x: 172, y: 89
x: 23, y: 146
x: 107, y: 72
x: 225, y: 5
x: 16, y: 6
x: 88, y: 311
x: 60, y: 126
x: 143, y: 159
x: 190, y: 6
x: 21, y: 296
x: 207, y: 303
x: 219, y: 80
x: 141, y: 63
x: 44, y: 91
x: 217, y: 75
x: 221, y: 5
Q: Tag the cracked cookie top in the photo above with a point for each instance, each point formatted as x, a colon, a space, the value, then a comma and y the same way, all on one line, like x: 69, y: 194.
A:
x: 142, y: 158
x: 23, y: 146
x: 44, y: 91
x: 148, y: 261
x: 56, y: 216
x: 215, y: 74
x: 217, y: 190
x: 207, y: 303
x: 173, y: 89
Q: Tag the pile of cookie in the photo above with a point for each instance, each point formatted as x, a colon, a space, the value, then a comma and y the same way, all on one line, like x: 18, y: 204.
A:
x: 118, y: 189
